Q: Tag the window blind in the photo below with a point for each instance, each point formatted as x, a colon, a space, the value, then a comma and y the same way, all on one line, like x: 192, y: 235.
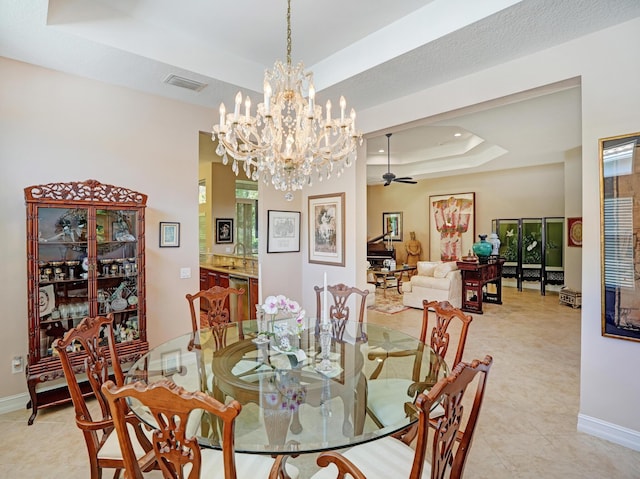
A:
x: 618, y: 240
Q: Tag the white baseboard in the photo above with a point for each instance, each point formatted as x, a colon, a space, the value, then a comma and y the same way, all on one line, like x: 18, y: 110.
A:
x: 610, y: 432
x: 14, y: 403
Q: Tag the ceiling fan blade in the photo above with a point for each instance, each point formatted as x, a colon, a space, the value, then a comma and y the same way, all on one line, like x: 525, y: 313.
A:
x: 387, y: 183
x: 406, y: 180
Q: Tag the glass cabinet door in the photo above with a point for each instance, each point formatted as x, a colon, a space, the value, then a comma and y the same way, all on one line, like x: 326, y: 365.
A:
x: 117, y: 270
x: 62, y: 278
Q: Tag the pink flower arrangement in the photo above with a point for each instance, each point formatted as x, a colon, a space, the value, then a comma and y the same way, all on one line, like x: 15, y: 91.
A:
x: 280, y: 304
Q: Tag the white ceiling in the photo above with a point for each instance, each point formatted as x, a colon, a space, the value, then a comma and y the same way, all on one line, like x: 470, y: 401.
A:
x: 371, y: 51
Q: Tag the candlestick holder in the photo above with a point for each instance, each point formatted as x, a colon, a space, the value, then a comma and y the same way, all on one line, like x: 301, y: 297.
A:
x: 325, y: 348
x: 263, y: 326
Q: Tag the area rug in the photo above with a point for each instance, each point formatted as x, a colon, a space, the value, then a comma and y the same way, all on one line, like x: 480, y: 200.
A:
x: 392, y: 304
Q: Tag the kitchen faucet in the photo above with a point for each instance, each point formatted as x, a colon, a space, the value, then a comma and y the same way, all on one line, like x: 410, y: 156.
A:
x: 244, y: 253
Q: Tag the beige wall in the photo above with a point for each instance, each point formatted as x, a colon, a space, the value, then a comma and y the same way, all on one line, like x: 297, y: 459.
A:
x: 56, y: 127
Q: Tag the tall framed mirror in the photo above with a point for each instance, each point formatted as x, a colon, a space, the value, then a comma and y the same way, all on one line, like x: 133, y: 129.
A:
x: 620, y: 242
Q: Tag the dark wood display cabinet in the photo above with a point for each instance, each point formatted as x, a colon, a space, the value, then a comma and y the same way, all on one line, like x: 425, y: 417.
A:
x: 85, y: 257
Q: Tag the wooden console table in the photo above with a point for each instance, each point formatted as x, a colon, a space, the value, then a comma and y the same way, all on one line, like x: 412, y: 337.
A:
x: 475, y: 278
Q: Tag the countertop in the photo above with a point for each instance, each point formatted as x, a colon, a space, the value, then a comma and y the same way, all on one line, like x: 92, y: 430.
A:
x: 240, y: 271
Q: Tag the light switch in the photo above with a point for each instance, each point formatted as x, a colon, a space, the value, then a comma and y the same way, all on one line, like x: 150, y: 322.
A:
x: 185, y: 273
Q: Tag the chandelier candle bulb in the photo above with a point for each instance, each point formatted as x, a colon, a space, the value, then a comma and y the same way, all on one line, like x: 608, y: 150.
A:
x: 236, y: 111
x: 247, y: 108
x: 343, y: 105
x: 222, y: 116
x: 328, y: 113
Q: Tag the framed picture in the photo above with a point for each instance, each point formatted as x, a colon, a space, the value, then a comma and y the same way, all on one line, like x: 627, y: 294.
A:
x: 169, y: 234
x: 224, y: 230
x: 574, y: 229
x: 326, y: 229
x: 171, y: 362
x: 392, y: 223
x: 620, y: 228
x: 452, y: 221
x: 283, y: 231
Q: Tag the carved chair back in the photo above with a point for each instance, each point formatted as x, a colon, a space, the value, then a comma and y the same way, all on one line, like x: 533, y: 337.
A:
x: 444, y: 450
x: 210, y: 309
x: 90, y: 347
x: 439, y: 340
x: 339, y: 309
x: 178, y: 453
x: 451, y: 443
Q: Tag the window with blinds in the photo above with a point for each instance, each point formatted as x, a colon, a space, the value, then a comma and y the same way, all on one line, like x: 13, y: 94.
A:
x: 618, y: 240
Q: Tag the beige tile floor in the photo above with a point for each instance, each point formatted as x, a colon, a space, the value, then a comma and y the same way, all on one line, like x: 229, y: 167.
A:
x: 527, y: 428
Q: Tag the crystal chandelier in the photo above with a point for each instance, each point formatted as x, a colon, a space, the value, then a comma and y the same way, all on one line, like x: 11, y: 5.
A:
x: 289, y: 141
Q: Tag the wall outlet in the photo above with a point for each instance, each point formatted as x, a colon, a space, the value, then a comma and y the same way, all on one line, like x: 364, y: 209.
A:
x: 185, y: 273
x: 228, y: 249
x: 17, y: 365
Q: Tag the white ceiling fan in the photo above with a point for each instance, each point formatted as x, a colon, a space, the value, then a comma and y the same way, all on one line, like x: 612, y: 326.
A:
x: 389, y: 177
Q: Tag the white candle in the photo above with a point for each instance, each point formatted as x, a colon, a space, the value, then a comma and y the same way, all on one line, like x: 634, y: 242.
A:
x: 222, y: 116
x: 260, y: 283
x: 236, y: 111
x: 325, y: 311
x: 247, y: 108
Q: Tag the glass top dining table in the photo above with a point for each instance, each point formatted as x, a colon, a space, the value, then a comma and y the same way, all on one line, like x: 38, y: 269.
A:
x: 288, y: 405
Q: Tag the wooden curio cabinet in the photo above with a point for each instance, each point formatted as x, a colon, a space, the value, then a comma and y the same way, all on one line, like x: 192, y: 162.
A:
x: 85, y: 257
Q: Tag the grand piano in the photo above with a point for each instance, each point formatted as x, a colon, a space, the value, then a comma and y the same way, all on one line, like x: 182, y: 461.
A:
x: 378, y: 250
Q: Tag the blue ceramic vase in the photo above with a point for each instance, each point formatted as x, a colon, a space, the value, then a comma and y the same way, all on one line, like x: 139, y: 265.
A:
x: 482, y: 248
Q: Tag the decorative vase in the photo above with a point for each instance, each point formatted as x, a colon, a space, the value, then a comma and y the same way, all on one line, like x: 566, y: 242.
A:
x: 495, y: 241
x: 482, y: 248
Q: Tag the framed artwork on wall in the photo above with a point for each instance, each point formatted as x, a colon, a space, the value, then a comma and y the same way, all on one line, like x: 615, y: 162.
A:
x: 224, y: 230
x: 326, y: 229
x: 169, y: 234
x: 620, y: 228
x: 574, y: 229
x: 392, y: 223
x: 452, y: 221
x: 283, y: 231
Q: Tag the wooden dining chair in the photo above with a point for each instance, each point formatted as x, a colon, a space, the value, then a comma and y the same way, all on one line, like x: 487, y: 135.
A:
x: 178, y: 453
x: 446, y: 449
x: 90, y: 347
x: 385, y: 391
x: 210, y: 309
x: 339, y: 309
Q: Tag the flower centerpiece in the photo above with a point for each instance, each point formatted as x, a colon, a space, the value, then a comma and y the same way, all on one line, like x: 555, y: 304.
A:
x: 280, y: 308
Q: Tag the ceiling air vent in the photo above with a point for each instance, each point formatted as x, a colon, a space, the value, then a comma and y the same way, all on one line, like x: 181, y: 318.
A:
x: 182, y: 82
